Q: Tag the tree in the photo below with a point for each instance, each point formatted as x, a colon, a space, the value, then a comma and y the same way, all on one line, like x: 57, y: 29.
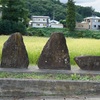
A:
x: 79, y: 17
x: 63, y: 22
x: 14, y: 17
x: 14, y: 10
x: 71, y: 15
x: 85, y: 11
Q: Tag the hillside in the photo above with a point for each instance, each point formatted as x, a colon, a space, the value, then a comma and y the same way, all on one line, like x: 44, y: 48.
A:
x: 57, y: 10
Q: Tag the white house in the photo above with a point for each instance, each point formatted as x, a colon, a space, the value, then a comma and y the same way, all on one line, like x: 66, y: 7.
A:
x: 55, y: 24
x: 44, y: 21
x: 40, y: 21
x: 92, y: 23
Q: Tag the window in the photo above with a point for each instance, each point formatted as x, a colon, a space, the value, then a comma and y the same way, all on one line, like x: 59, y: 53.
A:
x: 94, y: 25
x: 43, y: 19
x: 98, y: 26
x: 88, y: 20
x: 38, y: 24
x: 44, y: 24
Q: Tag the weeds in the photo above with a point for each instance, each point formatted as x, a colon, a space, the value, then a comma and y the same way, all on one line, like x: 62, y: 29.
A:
x: 50, y: 76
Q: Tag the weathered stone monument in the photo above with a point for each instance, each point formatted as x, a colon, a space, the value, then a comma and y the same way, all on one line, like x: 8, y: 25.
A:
x: 55, y: 53
x: 14, y: 54
x: 88, y: 62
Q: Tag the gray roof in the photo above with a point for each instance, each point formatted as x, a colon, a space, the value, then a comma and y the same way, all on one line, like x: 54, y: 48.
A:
x: 40, y: 17
x: 92, y: 17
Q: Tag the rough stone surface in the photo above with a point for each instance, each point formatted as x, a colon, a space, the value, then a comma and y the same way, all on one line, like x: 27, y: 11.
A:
x: 55, y: 53
x: 14, y: 54
x: 88, y: 62
x: 30, y: 87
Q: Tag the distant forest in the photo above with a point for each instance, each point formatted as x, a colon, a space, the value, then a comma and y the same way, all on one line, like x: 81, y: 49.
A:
x: 56, y: 10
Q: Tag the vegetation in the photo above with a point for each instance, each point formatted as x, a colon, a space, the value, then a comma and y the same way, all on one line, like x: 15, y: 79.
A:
x: 77, y: 47
x: 14, y: 10
x: 7, y: 27
x: 82, y: 12
x: 52, y: 8
x: 71, y: 22
x: 20, y: 11
x: 46, y: 32
x: 14, y: 17
x: 50, y: 76
x: 56, y: 9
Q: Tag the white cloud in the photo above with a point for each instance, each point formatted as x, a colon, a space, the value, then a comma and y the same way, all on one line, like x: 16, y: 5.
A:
x: 63, y: 1
x: 79, y: 1
x: 95, y: 4
x: 83, y: 1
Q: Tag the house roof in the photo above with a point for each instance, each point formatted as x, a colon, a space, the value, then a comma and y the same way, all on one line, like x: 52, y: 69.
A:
x: 92, y: 17
x: 40, y: 17
x: 54, y: 21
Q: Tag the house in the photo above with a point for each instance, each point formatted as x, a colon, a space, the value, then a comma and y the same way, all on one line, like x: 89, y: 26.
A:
x: 44, y: 21
x: 55, y: 24
x: 92, y: 23
x: 40, y: 21
x: 82, y: 25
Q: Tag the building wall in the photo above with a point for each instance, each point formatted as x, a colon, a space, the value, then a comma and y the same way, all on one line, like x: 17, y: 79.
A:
x: 82, y: 25
x: 40, y: 21
x: 94, y: 22
x: 44, y: 21
x: 95, y: 25
x: 39, y: 25
x: 56, y: 25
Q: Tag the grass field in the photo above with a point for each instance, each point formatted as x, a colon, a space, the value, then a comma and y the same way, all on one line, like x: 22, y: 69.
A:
x: 77, y: 47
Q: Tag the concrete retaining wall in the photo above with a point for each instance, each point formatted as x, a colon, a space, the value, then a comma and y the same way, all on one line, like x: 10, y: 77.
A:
x: 27, y: 87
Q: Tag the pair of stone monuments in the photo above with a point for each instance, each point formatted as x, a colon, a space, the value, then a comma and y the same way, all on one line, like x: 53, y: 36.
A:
x: 54, y: 55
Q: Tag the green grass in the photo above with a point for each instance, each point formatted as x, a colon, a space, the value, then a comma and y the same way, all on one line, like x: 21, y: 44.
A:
x: 50, y: 76
x: 77, y: 47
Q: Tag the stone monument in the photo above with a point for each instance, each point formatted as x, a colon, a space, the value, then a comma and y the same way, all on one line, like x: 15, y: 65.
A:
x: 55, y: 53
x: 14, y: 54
x: 88, y: 62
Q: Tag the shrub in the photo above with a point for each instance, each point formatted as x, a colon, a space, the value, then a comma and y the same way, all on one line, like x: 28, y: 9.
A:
x: 44, y: 31
x: 34, y: 32
x: 75, y: 34
x: 8, y: 27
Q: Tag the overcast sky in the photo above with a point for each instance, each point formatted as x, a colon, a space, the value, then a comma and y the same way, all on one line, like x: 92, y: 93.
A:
x: 95, y: 4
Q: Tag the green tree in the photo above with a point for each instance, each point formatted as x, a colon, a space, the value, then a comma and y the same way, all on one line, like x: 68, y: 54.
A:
x: 14, y: 10
x: 63, y: 22
x: 85, y: 11
x: 14, y: 17
x: 79, y: 18
x: 71, y: 15
x: 52, y: 8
